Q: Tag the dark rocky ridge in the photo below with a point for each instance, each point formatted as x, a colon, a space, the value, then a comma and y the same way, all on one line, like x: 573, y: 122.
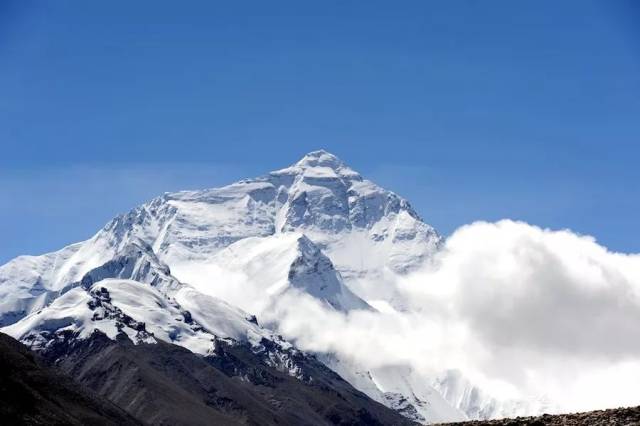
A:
x: 613, y: 417
x: 34, y: 394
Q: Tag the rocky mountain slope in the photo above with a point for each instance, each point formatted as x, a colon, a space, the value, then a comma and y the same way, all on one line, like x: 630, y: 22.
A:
x: 34, y: 394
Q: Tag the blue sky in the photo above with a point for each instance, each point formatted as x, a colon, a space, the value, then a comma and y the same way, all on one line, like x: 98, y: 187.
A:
x: 473, y: 110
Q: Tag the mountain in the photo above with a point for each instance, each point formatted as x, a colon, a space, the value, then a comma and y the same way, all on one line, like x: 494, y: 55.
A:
x: 34, y: 394
x: 364, y: 230
x: 195, y: 268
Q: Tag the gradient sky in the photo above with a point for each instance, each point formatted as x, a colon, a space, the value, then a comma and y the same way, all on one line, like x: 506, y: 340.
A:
x: 472, y: 110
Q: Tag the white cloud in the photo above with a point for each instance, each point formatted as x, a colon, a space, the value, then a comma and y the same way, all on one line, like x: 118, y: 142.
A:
x: 518, y: 309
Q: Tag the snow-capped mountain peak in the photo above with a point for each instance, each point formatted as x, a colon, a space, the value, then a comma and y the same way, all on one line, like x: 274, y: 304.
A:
x: 320, y: 158
x: 364, y: 230
x: 319, y: 164
x: 320, y: 192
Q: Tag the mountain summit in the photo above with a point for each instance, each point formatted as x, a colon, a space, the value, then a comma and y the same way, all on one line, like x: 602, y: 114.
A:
x: 320, y: 163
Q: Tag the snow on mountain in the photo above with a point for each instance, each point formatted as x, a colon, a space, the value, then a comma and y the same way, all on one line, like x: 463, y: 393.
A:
x: 140, y: 311
x: 266, y: 267
x: 175, y: 313
x: 137, y: 262
x: 368, y: 228
x: 135, y: 292
x: 365, y: 230
x: 106, y: 306
x: 459, y: 392
x: 28, y: 283
x: 398, y: 387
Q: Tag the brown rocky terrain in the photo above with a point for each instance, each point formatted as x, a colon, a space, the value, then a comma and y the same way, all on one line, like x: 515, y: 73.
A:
x: 34, y: 394
x: 613, y: 417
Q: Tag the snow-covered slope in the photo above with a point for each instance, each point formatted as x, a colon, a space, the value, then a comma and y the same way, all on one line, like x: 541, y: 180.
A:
x: 140, y: 311
x: 135, y: 293
x: 459, y: 392
x: 28, y: 283
x: 266, y: 267
x: 398, y: 387
x: 365, y: 230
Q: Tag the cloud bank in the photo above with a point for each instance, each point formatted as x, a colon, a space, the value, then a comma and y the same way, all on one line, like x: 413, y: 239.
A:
x: 521, y: 311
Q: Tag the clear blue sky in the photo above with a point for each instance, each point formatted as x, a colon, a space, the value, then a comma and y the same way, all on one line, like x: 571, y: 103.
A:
x: 471, y: 109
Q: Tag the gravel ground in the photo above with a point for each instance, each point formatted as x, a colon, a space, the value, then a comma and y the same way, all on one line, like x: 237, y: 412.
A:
x: 613, y: 417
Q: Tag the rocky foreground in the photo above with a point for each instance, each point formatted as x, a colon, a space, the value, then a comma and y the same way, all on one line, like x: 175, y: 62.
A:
x: 617, y: 417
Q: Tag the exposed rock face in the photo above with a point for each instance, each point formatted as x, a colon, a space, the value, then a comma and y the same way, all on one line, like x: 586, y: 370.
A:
x: 34, y: 394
